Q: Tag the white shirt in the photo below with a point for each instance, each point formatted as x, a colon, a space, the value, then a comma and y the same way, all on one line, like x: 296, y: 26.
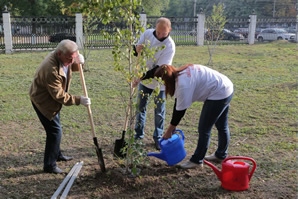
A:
x: 199, y: 83
x: 65, y: 69
x: 164, y: 56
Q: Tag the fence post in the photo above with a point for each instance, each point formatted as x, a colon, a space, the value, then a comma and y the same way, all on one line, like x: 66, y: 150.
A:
x: 201, y: 29
x: 7, y: 32
x: 297, y: 24
x: 252, y: 29
x: 79, y: 30
x: 143, y: 20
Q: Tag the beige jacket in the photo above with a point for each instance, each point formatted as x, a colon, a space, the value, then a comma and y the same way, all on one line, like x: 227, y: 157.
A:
x: 49, y: 88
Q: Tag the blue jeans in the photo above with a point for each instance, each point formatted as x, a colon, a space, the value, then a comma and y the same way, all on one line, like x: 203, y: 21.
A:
x: 213, y: 112
x: 54, y: 133
x: 143, y: 97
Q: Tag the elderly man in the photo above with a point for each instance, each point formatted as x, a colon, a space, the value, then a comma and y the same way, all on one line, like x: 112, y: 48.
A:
x: 49, y: 91
x: 158, y: 37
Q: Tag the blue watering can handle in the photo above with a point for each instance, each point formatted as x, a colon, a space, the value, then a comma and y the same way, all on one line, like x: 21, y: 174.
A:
x: 180, y: 131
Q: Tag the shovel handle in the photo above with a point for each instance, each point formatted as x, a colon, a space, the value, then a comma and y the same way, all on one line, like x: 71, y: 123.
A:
x: 127, y: 113
x: 126, y: 119
x: 86, y: 95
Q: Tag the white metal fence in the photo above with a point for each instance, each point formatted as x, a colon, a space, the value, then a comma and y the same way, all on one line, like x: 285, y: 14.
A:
x: 28, y: 33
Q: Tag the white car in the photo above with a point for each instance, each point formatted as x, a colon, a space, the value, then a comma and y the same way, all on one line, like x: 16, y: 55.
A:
x: 272, y: 34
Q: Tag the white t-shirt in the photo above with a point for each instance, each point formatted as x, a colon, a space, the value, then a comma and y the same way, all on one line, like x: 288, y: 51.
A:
x: 65, y: 69
x: 161, y: 57
x: 199, y: 83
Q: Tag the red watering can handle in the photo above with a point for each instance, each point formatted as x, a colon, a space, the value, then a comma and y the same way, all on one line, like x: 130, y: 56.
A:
x: 244, y: 158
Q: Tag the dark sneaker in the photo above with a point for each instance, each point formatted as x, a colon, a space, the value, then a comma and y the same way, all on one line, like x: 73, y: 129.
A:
x: 156, y: 144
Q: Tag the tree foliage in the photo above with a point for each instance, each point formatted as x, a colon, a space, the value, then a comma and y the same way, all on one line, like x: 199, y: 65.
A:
x: 155, y: 7
x: 214, y: 24
x: 180, y: 8
x: 232, y: 8
x: 113, y: 13
x: 36, y: 7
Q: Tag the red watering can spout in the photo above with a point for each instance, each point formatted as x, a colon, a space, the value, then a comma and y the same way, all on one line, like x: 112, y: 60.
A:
x: 216, y: 170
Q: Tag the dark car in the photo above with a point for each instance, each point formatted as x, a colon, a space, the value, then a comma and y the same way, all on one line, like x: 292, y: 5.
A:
x: 225, y: 34
x: 61, y: 36
x: 242, y: 31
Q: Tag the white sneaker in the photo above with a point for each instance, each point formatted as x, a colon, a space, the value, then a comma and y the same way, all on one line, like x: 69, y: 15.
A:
x: 213, y: 158
x: 190, y: 165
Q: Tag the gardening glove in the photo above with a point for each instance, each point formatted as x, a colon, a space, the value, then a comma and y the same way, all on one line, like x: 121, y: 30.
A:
x: 85, y: 101
x: 81, y: 59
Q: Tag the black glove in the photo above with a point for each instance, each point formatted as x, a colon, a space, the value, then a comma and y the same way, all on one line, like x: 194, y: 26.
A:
x: 135, y: 50
x: 150, y: 73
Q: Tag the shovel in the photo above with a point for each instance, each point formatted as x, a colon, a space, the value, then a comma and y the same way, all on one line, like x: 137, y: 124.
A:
x: 98, y: 150
x: 120, y: 143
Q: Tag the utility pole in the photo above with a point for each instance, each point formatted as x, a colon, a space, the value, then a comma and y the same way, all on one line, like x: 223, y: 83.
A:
x: 194, y: 8
x: 274, y: 1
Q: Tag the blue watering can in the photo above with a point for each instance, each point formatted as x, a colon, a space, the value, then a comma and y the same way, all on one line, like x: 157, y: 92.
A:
x: 172, y: 150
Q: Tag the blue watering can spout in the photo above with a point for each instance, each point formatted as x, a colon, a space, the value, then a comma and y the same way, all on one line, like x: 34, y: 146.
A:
x: 158, y: 155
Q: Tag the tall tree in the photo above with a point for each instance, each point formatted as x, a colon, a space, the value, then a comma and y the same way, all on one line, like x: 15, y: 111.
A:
x: 234, y: 8
x: 155, y: 7
x: 239, y: 8
x: 180, y: 8
x: 36, y: 7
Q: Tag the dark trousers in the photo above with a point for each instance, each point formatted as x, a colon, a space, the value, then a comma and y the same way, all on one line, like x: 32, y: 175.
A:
x: 54, y: 133
x: 213, y: 112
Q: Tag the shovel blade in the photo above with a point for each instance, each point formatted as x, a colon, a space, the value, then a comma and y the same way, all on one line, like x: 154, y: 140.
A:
x: 118, y: 149
x: 99, y: 155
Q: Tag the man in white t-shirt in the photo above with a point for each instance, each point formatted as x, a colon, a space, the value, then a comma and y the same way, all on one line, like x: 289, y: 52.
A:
x: 158, y: 37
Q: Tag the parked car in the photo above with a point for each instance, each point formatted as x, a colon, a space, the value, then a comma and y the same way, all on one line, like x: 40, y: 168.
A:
x: 225, y: 35
x: 272, y: 34
x: 290, y: 30
x: 183, y: 33
x: 243, y: 31
x: 258, y: 31
x: 60, y: 36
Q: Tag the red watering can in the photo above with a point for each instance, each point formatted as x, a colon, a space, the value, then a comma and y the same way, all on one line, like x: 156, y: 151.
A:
x: 234, y: 175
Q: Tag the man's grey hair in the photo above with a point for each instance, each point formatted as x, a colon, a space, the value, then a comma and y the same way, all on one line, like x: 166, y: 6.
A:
x: 164, y: 21
x: 67, y: 46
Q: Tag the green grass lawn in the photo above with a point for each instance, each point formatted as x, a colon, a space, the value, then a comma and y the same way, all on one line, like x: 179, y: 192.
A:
x: 263, y: 125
